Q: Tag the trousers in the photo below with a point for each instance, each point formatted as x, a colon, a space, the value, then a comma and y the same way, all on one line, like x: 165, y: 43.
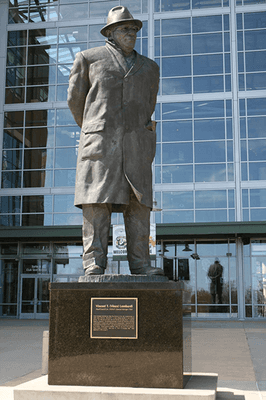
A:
x: 95, y: 232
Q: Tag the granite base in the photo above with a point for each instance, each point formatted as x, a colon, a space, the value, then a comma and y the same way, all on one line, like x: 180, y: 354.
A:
x: 153, y: 360
x: 199, y: 387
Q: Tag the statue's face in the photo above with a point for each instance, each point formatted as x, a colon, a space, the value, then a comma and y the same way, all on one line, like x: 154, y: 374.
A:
x: 125, y: 36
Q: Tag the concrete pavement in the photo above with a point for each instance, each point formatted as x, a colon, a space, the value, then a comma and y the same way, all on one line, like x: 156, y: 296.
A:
x: 235, y: 350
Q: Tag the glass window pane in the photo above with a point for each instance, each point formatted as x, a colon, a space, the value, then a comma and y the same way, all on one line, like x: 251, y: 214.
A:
x: 74, y: 11
x: 176, y: 86
x: 177, y: 131
x: 209, y: 129
x: 256, y: 106
x: 36, y: 204
x: 176, y: 110
x: 38, y: 159
x: 65, y: 203
x: 10, y: 204
x: 12, y: 159
x: 209, y: 64
x: 64, y: 117
x: 211, y: 216
x: 206, y: 3
x: 42, y: 54
x: 98, y: 9
x: 67, y: 53
x: 173, y: 5
x: 257, y: 149
x: 210, y: 173
x: 72, y: 34
x: 14, y: 95
x: 255, y: 20
x: 13, y: 119
x: 16, y: 56
x: 40, y: 117
x: 176, y: 45
x: 63, y: 72
x: 39, y: 137
x: 13, y: 138
x: 37, y: 179
x: 40, y: 94
x: 18, y: 15
x: 209, y: 152
x: 210, y: 199
x: 17, y: 38
x: 257, y: 171
x: 178, y: 200
x: 210, y: 43
x: 255, y: 61
x: 177, y: 174
x: 67, y: 136
x: 178, y: 216
x: 175, y: 26
x: 43, y: 75
x: 208, y: 84
x: 209, y: 109
x: 43, y: 36
x: 258, y: 198
x: 176, y: 66
x: 61, y: 93
x: 176, y: 153
x: 256, y: 127
x: 65, y: 177
x: 11, y: 179
x: 256, y: 81
x: 207, y: 24
x: 255, y: 40
x: 15, y: 76
x: 66, y: 158
x: 68, y: 219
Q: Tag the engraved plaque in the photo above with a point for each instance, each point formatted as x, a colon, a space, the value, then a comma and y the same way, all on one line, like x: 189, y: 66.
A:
x: 114, y: 318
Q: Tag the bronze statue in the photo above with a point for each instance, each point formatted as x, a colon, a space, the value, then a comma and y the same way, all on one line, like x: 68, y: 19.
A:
x: 112, y: 95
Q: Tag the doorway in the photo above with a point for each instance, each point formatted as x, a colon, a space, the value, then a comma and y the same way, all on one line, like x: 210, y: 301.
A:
x: 34, y: 302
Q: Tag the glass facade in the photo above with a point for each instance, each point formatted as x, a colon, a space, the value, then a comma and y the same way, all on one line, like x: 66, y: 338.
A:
x: 210, y: 164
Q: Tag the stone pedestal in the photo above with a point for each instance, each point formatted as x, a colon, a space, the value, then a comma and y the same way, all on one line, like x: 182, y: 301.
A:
x: 152, y: 360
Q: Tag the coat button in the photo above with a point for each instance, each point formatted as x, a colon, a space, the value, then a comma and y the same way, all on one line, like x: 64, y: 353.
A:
x: 126, y: 79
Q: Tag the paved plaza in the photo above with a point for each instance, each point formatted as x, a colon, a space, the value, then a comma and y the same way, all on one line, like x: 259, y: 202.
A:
x: 235, y: 350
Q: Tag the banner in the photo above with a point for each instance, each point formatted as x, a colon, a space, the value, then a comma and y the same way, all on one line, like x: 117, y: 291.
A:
x: 120, y: 242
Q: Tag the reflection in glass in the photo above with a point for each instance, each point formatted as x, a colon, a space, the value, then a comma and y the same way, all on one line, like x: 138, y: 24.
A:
x: 42, y: 54
x: 176, y: 110
x: 210, y: 199
x: 211, y: 215
x: 11, y: 159
x: 40, y: 117
x: 67, y: 53
x: 208, y: 43
x: 178, y: 216
x: 15, y: 76
x: 65, y: 177
x: 210, y: 172
x: 37, y: 204
x: 17, y: 38
x: 209, y: 151
x: 177, y: 153
x: 68, y: 219
x: 72, y: 34
x: 14, y: 95
x: 38, y: 158
x: 178, y: 200
x: 11, y: 179
x: 41, y: 75
x: 74, y: 11
x: 65, y: 265
x: 64, y: 203
x: 176, y: 86
x: 66, y: 158
x: 209, y: 129
x: 175, y: 26
x: 176, y: 45
x: 67, y: 136
x: 40, y: 94
x: 208, y: 84
x: 37, y: 179
x: 177, y: 174
x: 211, y: 23
x: 209, y: 109
x: 35, y: 266
x: 37, y: 219
x: 177, y: 131
x: 39, y: 137
x: 176, y: 66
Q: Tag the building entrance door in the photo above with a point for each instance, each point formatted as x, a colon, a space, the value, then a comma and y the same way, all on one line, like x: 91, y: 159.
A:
x: 34, y: 302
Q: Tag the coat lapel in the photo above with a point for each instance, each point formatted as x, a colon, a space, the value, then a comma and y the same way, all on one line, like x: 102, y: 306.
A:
x: 120, y: 59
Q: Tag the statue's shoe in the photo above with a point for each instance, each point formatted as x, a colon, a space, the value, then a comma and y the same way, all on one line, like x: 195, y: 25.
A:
x: 147, y: 271
x: 94, y: 270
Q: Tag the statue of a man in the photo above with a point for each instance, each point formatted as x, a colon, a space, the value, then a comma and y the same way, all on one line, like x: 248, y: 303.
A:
x: 112, y: 95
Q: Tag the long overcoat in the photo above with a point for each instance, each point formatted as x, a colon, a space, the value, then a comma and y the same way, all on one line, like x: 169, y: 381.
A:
x: 113, y: 106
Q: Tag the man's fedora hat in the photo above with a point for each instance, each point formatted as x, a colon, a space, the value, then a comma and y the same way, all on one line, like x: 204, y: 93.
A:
x: 119, y: 15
